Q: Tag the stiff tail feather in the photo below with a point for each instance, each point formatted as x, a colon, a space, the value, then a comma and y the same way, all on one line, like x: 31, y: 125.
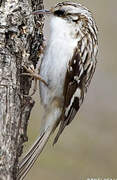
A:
x: 51, y: 118
x: 32, y: 155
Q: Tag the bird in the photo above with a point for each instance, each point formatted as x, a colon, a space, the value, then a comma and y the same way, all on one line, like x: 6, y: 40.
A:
x: 67, y: 66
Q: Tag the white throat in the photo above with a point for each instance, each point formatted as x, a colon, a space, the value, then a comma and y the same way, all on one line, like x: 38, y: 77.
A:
x: 61, y: 28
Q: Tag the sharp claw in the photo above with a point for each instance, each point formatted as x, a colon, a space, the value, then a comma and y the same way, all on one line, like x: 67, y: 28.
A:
x: 25, y: 74
x: 31, y: 72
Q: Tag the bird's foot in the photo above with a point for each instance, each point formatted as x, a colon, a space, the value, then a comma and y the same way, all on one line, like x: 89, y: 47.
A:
x: 31, y: 72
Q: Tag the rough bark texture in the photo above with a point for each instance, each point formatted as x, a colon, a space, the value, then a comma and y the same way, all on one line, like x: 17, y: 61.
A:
x: 21, y: 39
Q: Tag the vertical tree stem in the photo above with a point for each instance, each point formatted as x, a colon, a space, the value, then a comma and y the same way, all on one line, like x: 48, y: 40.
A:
x: 21, y: 40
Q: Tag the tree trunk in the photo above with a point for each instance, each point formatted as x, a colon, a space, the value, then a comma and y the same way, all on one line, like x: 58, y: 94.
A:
x: 21, y: 40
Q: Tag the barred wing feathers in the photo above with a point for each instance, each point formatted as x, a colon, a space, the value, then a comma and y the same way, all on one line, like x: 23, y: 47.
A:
x: 78, y: 77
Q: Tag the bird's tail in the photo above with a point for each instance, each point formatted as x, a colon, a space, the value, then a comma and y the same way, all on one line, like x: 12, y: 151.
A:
x: 32, y: 155
x: 30, y: 158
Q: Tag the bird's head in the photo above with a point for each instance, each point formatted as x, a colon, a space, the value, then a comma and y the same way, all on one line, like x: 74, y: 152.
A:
x: 69, y: 11
x: 76, y: 17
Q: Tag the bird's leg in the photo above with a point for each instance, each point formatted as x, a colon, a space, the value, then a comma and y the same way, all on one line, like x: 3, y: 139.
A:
x: 31, y: 72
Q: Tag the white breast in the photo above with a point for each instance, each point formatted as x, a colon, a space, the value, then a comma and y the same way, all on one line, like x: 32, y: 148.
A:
x: 59, y: 51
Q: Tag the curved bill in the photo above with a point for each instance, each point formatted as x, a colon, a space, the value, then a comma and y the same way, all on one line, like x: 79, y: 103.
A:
x: 42, y: 11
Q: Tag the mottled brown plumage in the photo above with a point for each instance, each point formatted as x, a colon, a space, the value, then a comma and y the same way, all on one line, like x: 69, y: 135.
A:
x: 74, y: 78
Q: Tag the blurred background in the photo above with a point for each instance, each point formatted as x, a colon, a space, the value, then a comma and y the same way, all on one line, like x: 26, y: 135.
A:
x: 88, y: 147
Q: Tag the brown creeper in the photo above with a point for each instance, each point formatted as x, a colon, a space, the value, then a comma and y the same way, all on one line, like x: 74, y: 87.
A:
x: 67, y: 67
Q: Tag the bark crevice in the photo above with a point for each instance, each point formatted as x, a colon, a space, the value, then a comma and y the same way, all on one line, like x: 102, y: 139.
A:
x: 21, y: 40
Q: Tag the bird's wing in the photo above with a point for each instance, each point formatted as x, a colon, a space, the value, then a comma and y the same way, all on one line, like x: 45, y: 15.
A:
x: 79, y: 73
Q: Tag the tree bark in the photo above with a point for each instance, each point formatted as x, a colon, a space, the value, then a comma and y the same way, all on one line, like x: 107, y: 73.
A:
x: 21, y: 41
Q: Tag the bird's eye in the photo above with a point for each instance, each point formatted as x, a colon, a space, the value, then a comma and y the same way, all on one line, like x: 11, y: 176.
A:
x: 60, y: 12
